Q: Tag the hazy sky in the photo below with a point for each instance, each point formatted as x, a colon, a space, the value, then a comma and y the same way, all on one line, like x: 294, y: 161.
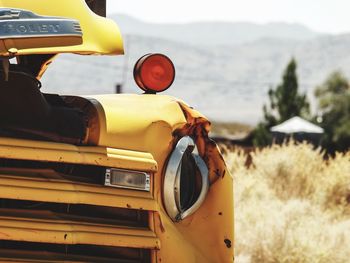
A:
x: 321, y: 15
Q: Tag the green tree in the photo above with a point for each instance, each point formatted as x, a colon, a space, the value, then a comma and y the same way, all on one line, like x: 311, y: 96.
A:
x: 334, y: 112
x: 285, y: 103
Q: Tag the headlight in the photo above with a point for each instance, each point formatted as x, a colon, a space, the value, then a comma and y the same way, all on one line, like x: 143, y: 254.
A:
x: 186, y: 180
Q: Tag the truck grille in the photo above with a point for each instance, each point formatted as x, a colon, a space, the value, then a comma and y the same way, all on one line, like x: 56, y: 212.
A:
x: 51, y: 212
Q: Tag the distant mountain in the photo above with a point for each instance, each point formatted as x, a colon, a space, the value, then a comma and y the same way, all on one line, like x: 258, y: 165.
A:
x: 213, y: 33
x: 227, y: 82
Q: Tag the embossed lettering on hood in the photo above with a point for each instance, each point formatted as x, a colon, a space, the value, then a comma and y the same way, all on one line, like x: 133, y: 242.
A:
x: 16, y: 23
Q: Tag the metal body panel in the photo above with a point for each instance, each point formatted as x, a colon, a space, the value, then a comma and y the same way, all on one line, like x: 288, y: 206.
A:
x: 100, y: 35
x: 137, y: 122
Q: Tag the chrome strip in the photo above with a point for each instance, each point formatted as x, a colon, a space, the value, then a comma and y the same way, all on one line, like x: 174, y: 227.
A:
x: 48, y: 27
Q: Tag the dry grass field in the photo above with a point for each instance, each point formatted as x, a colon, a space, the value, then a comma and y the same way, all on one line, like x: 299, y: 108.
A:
x: 291, y: 206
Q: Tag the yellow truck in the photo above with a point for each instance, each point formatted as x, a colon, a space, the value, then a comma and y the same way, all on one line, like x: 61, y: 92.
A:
x: 105, y: 178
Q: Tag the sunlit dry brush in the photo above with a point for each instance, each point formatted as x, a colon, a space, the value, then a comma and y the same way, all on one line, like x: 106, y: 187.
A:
x: 291, y: 205
x: 337, y: 184
x: 291, y: 171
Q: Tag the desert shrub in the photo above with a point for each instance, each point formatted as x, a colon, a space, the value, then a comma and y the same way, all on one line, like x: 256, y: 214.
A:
x: 291, y: 205
x: 337, y: 184
x: 292, y: 171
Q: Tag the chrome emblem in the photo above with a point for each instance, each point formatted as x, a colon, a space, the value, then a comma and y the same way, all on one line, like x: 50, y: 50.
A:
x: 16, y: 23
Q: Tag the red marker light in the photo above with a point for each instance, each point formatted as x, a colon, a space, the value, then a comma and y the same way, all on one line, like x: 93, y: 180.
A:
x: 154, y: 73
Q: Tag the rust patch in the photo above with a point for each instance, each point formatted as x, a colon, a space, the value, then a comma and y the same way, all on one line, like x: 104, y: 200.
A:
x: 161, y: 226
x: 223, y: 174
x: 228, y: 243
x: 198, y: 127
x: 4, y: 234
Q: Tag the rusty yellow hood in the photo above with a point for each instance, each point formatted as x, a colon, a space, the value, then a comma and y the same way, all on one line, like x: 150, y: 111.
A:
x: 137, y: 122
x: 149, y: 123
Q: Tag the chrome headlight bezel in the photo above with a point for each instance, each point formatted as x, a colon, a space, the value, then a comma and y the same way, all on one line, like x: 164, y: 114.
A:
x: 172, y: 187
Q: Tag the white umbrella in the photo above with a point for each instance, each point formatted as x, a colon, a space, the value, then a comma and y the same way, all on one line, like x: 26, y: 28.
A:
x: 296, y: 125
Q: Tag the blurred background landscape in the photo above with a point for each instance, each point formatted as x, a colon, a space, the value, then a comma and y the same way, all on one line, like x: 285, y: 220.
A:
x: 227, y: 65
